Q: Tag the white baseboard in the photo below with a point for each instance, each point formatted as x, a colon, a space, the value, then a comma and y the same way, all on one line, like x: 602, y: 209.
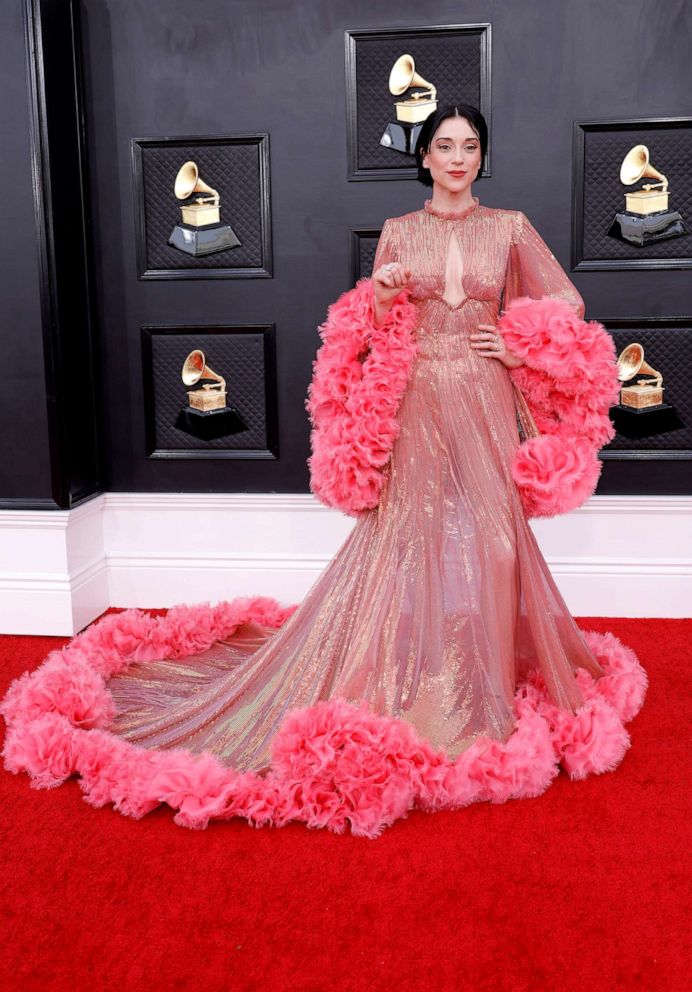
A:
x: 53, y: 569
x: 627, y: 556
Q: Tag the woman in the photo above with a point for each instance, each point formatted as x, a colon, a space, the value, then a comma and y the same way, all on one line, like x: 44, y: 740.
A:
x: 434, y: 662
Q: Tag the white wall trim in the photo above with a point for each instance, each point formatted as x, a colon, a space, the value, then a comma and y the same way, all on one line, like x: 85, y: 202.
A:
x: 53, y: 569
x: 615, y: 556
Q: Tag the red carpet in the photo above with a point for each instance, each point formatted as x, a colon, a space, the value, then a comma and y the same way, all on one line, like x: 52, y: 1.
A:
x: 584, y: 888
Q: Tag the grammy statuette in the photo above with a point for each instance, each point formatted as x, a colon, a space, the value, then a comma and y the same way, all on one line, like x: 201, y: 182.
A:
x: 401, y: 135
x: 641, y: 411
x: 201, y: 231
x: 206, y: 416
x: 646, y: 217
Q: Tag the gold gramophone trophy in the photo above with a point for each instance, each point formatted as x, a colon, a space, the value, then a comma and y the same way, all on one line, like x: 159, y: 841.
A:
x: 201, y: 231
x: 644, y: 393
x: 207, y: 416
x: 401, y: 135
x: 647, y: 217
x: 641, y: 411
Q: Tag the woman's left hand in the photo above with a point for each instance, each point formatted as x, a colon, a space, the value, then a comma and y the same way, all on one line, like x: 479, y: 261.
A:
x: 490, y: 344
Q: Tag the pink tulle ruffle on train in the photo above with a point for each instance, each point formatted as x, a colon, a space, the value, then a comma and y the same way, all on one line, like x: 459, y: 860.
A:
x: 335, y: 764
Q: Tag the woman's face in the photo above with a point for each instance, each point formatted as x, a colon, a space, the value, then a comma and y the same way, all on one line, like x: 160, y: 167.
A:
x: 454, y: 156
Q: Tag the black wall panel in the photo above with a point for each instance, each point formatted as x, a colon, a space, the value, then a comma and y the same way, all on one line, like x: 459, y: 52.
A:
x: 62, y: 391
x: 24, y: 449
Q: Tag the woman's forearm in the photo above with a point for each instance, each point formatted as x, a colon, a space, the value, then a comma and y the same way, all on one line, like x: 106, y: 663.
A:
x: 380, y: 311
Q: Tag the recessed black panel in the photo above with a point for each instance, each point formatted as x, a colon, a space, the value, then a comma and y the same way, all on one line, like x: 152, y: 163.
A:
x: 244, y: 357
x: 237, y: 167
x: 455, y: 58
x: 599, y: 150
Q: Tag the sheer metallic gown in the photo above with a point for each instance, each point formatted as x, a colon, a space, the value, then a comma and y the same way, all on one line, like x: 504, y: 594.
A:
x: 439, y: 599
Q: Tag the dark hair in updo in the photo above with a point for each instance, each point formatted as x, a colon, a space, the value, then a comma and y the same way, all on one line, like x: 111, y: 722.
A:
x: 472, y: 115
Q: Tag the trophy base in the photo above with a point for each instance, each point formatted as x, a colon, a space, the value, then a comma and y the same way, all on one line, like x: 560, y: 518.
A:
x: 203, y: 240
x: 205, y: 400
x: 401, y: 137
x: 635, y: 423
x: 641, y: 397
x: 640, y: 230
x: 210, y: 424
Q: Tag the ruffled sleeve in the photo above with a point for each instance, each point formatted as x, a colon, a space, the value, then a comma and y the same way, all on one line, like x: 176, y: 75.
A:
x: 360, y: 374
x: 533, y: 270
x: 568, y: 379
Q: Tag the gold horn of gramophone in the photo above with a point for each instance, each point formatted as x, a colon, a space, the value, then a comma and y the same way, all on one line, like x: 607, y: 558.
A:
x: 211, y: 395
x: 644, y: 392
x: 205, y: 209
x: 636, y: 165
x: 188, y: 182
x: 404, y: 75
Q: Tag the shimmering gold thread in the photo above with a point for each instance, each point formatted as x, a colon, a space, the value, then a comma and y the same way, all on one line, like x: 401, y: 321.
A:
x: 440, y: 595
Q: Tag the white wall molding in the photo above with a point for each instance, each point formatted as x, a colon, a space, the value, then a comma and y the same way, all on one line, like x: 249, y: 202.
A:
x: 53, y: 571
x: 616, y: 556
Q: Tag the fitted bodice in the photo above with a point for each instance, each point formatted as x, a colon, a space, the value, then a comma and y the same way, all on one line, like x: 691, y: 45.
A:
x: 458, y: 262
x: 467, y: 266
x: 458, y: 265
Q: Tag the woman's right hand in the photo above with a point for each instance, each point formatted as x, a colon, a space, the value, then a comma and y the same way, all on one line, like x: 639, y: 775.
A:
x: 388, y: 281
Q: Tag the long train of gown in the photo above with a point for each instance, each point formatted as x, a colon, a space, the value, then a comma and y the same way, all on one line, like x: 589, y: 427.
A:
x: 439, y: 602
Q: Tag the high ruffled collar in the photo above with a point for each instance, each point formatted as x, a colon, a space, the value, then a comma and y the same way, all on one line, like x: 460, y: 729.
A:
x: 449, y: 214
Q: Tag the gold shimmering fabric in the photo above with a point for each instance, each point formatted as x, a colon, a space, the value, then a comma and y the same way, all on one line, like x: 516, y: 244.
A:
x: 439, y: 599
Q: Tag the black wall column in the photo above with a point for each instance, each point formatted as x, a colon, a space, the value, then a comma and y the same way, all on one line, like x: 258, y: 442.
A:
x: 50, y: 457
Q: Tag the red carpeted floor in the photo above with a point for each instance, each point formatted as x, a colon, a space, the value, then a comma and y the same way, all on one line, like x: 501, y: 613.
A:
x: 584, y: 888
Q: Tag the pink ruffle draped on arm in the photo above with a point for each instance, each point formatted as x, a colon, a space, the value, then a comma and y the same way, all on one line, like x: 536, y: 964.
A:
x: 359, y: 377
x: 568, y: 379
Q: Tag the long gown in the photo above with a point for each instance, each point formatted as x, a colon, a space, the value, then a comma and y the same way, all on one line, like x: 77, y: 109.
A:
x: 439, y: 600
x: 432, y: 664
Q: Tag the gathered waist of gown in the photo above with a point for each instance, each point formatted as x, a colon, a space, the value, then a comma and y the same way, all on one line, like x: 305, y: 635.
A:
x: 438, y: 303
x: 443, y: 332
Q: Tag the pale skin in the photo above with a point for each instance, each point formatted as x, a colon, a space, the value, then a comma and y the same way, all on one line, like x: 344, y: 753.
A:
x: 454, y: 146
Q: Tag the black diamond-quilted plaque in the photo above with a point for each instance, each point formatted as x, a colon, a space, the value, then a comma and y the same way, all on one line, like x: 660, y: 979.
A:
x: 455, y: 58
x: 600, y: 148
x: 667, y: 344
x: 243, y: 355
x: 237, y: 167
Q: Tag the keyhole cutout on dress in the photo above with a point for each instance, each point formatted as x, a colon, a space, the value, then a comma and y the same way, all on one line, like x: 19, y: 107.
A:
x: 454, y: 293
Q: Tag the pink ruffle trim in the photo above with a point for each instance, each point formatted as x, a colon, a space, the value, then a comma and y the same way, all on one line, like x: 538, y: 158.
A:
x: 360, y: 375
x: 570, y: 381
x: 334, y: 763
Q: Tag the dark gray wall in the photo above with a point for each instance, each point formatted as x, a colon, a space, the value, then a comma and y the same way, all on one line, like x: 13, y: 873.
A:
x: 187, y: 67
x: 24, y: 443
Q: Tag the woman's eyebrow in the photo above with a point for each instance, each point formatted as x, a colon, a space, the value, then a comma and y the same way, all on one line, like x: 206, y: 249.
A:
x: 450, y: 139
